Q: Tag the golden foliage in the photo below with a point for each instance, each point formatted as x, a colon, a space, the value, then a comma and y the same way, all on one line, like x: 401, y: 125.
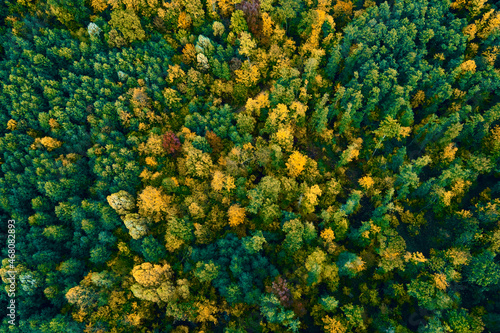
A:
x: 186, y: 132
x: 342, y: 8
x: 458, y: 257
x: 491, y: 54
x: 310, y: 198
x: 328, y: 235
x: 151, y: 162
x: 152, y: 202
x: 284, y: 138
x: 230, y: 183
x: 181, y: 329
x: 236, y: 215
x: 352, y: 151
x: 253, y: 106
x: 449, y: 152
x: 133, y: 319
x: 494, y: 139
x: 248, y: 74
x: 440, y: 281
x: 247, y: 44
x: 188, y: 54
x: 357, y: 265
x: 175, y: 72
x: 99, y: 5
x: 226, y: 7
x: 415, y: 257
x: 458, y: 4
x: 332, y: 325
x: 267, y: 25
x: 367, y: 182
x: 184, y: 21
x: 468, y: 66
x: 173, y: 243
x: 417, y: 99
x: 197, y: 163
x: 206, y: 311
x: 457, y: 189
x: 53, y: 123
x: 218, y: 28
x: 390, y: 254
x: 299, y: 110
x: 139, y: 98
x: 313, y: 40
x: 488, y: 23
x: 149, y: 275
x: 296, y: 164
x: 50, y: 143
x: 470, y: 31
x: 11, y: 124
x: 218, y: 181
x: 123, y: 248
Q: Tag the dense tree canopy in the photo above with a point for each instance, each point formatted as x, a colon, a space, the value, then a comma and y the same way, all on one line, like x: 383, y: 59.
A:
x: 251, y: 166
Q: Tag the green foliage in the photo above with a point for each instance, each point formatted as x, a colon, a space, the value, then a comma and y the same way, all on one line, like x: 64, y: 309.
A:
x: 206, y: 272
x: 354, y: 314
x: 266, y: 192
x: 177, y: 157
x: 240, y: 273
x: 254, y: 244
x: 483, y: 270
x: 99, y: 254
x: 294, y: 236
x: 329, y: 303
x: 152, y: 250
x: 238, y: 22
x: 274, y: 313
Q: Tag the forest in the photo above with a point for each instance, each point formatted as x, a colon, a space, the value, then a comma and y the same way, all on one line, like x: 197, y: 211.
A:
x: 237, y: 166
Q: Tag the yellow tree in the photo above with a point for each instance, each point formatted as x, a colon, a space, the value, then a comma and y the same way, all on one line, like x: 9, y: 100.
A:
x: 11, y: 125
x: 313, y: 38
x: 188, y: 54
x: 50, y: 143
x: 332, y: 325
x: 367, y: 182
x: 153, y: 203
x: 488, y: 23
x: 218, y: 181
x: 152, y: 147
x: 149, y: 275
x: 99, y: 5
x: 247, y: 44
x: 296, y: 163
x: 309, y: 199
x: 206, y: 311
x: 197, y: 163
x: 236, y: 215
x: 284, y: 138
x: 248, y: 75
x: 155, y: 284
x: 440, y: 281
x: 449, y: 152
